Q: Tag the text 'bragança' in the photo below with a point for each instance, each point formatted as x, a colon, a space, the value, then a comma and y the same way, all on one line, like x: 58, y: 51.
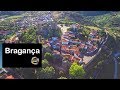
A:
x: 21, y: 51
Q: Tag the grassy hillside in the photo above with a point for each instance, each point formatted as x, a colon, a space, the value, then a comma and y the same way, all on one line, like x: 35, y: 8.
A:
x: 111, y: 19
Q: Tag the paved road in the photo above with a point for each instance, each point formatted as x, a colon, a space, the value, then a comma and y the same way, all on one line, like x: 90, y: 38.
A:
x: 116, y: 69
x: 116, y: 65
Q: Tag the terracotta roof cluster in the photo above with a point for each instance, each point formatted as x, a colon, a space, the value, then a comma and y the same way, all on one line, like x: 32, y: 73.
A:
x: 69, y: 51
x: 70, y: 47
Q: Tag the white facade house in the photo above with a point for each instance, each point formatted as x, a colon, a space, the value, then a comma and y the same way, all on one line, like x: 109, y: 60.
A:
x: 65, y: 42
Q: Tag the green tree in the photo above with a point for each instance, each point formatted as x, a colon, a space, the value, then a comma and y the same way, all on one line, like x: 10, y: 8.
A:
x: 101, y: 33
x: 76, y: 71
x: 46, y: 73
x: 48, y: 56
x: 45, y: 63
x: 86, y: 32
x: 29, y: 36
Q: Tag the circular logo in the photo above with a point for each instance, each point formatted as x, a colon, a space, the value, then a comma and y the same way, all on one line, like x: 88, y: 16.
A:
x: 35, y: 60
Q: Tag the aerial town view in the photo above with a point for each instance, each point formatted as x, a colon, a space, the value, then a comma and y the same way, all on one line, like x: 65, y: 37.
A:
x: 75, y: 44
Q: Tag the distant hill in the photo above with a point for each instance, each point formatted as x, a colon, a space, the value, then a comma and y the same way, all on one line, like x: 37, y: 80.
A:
x: 84, y: 13
x: 79, y: 16
x: 11, y: 12
x: 84, y: 17
x: 93, y: 13
x: 110, y: 19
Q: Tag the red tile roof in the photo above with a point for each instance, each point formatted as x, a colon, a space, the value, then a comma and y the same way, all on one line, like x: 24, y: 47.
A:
x: 67, y: 55
x: 72, y: 58
x: 9, y: 77
x: 56, y: 52
x: 64, y: 47
x: 65, y: 40
x: 82, y: 45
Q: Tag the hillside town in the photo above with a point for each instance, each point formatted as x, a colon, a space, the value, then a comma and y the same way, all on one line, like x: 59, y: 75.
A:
x: 65, y: 44
x: 74, y: 49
